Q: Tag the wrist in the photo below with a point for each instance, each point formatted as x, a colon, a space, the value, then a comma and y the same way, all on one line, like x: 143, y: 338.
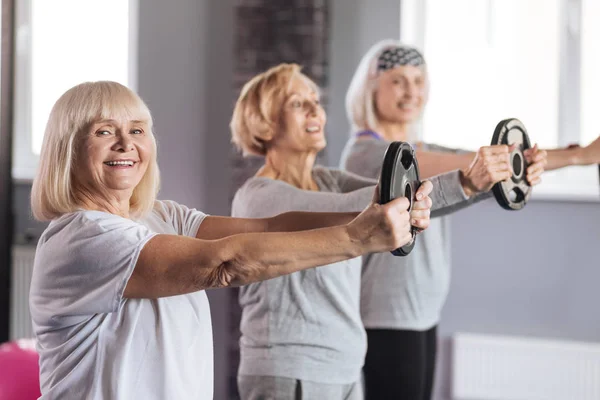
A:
x: 579, y: 156
x: 466, y: 184
x: 357, y: 246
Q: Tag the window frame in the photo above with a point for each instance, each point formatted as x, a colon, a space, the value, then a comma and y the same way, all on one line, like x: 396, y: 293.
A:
x: 413, y: 17
x: 25, y: 161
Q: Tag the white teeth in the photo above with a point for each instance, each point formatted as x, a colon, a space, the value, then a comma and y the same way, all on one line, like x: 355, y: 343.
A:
x: 312, y: 129
x: 114, y: 163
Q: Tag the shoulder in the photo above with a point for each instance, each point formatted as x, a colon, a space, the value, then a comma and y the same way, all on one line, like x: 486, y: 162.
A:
x: 323, y: 171
x: 167, y: 210
x: 256, y: 185
x: 87, y: 224
x: 86, y: 221
x: 256, y: 194
x: 76, y: 234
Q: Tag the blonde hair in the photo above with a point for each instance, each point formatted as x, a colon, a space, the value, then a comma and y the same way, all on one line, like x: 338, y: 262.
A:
x: 257, y: 110
x: 54, y: 188
x: 360, y: 97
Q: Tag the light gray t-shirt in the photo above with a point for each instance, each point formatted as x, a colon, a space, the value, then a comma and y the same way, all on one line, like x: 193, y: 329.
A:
x: 307, y: 325
x: 407, y: 292
x: 95, y: 344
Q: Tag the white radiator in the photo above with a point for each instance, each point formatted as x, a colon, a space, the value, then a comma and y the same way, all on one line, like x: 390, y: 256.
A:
x: 22, y: 267
x: 507, y: 368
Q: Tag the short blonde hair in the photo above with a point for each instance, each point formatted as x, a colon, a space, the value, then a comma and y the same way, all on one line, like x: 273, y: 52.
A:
x: 54, y: 190
x: 258, y: 108
x: 360, y: 97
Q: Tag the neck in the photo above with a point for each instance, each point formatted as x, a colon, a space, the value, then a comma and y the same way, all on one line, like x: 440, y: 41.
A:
x: 109, y: 203
x: 294, y: 168
x: 394, y: 131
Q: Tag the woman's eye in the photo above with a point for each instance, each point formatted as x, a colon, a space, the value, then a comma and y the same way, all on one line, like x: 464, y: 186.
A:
x: 296, y: 104
x: 137, y: 131
x: 103, y: 133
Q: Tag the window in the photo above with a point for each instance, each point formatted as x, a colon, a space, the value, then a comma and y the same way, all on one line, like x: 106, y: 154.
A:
x: 61, y: 43
x: 534, y: 60
x: 590, y: 67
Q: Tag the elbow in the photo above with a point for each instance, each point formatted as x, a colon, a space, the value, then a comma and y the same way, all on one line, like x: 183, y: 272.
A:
x: 231, y: 264
x: 231, y: 272
x: 221, y: 276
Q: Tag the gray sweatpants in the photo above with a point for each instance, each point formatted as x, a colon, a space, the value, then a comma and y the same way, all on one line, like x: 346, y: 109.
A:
x: 278, y: 388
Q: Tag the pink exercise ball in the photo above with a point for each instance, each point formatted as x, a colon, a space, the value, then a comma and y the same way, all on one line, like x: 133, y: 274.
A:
x: 19, y: 370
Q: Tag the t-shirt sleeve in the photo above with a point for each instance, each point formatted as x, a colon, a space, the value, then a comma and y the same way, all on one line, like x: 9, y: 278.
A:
x: 185, y: 220
x: 83, y: 268
x: 349, y: 182
x: 365, y: 158
x: 262, y: 197
x: 448, y: 196
x: 443, y: 149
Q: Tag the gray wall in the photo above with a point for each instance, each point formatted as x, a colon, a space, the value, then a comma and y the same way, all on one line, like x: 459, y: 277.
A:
x: 529, y: 273
x: 355, y: 26
x: 185, y: 76
x: 27, y: 230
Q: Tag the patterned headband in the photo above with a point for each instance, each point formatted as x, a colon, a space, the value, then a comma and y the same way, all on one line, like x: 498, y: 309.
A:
x: 398, y: 56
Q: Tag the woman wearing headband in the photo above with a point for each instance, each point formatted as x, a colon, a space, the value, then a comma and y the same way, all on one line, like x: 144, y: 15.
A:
x: 401, y: 298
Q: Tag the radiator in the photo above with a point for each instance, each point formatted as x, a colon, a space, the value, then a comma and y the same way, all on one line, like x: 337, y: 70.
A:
x: 22, y: 267
x: 510, y: 368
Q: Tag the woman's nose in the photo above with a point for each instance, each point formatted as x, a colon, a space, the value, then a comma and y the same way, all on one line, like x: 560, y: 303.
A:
x: 311, y: 108
x: 124, y: 143
x: 411, y: 90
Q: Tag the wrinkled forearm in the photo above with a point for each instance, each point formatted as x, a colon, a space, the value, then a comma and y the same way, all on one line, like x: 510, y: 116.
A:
x: 257, y: 257
x: 560, y: 158
x: 432, y: 163
x: 299, y: 221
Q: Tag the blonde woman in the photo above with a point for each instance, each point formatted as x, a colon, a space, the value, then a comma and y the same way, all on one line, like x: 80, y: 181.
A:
x: 118, y: 289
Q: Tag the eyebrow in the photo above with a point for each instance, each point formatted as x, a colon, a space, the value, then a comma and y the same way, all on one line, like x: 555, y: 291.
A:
x: 312, y: 92
x: 112, y: 121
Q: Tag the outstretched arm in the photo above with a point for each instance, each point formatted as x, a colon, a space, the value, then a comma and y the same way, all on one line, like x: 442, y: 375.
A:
x: 171, y: 265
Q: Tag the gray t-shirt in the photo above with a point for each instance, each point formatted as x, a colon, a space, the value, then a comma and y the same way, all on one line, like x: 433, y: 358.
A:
x: 305, y: 325
x: 95, y: 344
x: 407, y: 292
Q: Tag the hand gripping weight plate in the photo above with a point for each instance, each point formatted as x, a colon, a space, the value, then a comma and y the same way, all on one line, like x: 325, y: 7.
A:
x: 400, y: 178
x: 513, y: 193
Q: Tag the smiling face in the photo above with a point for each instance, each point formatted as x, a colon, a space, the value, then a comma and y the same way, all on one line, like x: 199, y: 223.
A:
x: 113, y: 157
x: 401, y: 94
x: 302, y: 120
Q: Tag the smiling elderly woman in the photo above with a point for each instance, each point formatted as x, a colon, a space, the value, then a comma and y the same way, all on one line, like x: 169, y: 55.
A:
x: 117, y: 295
x: 402, y: 299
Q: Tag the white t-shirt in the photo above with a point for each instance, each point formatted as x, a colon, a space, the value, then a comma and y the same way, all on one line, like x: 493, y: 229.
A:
x: 95, y: 344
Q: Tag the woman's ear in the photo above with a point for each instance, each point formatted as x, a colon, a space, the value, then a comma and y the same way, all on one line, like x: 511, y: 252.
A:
x: 266, y: 135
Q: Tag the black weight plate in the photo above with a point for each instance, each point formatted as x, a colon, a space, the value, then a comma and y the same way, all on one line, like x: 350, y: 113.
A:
x: 513, y: 193
x: 400, y: 178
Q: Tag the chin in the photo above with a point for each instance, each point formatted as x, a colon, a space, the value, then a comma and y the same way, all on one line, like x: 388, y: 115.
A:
x: 124, y: 184
x: 408, y: 118
x: 321, y: 146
